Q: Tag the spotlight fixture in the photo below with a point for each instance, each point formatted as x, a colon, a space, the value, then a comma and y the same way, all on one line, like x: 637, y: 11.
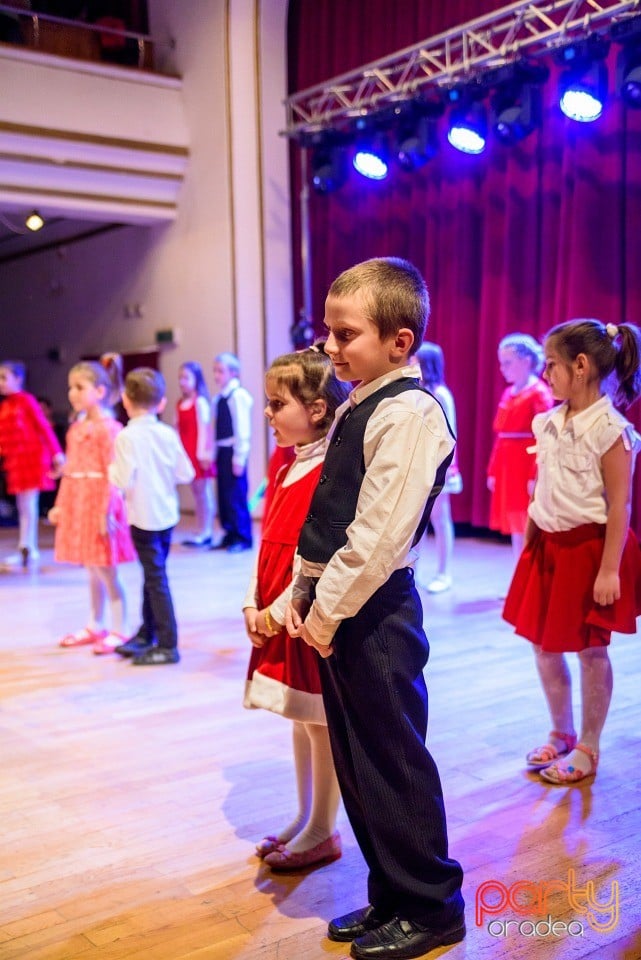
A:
x: 628, y: 76
x: 584, y: 83
x: 329, y: 168
x: 371, y: 158
x: 413, y: 131
x: 34, y: 221
x: 516, y: 105
x: 468, y: 128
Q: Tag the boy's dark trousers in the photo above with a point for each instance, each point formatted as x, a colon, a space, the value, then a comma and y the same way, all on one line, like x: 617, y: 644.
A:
x: 158, y: 617
x: 376, y: 703
x: 232, y: 500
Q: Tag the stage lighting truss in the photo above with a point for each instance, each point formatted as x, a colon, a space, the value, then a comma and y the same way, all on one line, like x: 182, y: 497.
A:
x: 583, y: 84
x: 628, y: 72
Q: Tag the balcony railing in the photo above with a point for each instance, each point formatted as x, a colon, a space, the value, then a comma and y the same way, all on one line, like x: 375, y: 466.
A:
x: 106, y: 40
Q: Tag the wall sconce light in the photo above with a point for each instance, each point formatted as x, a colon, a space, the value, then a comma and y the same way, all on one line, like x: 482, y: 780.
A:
x: 34, y: 221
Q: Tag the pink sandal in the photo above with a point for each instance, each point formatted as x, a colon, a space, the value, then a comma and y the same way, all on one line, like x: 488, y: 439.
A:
x: 82, y: 638
x: 563, y: 773
x: 545, y: 755
x: 268, y: 845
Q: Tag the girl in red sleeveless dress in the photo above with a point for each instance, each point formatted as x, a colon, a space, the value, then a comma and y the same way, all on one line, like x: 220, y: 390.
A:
x: 302, y: 396
x: 89, y: 512
x: 193, y: 422
x: 512, y: 467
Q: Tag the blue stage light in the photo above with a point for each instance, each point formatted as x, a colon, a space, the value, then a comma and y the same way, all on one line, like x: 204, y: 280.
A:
x: 371, y: 158
x: 583, y: 87
x: 468, y: 129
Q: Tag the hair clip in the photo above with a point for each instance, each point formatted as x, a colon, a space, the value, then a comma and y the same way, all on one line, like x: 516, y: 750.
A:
x: 612, y: 330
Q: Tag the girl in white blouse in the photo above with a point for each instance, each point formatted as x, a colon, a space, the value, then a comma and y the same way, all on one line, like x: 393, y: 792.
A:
x: 579, y: 576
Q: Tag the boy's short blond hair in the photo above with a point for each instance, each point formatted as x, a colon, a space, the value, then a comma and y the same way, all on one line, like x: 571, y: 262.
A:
x: 145, y: 387
x: 394, y: 295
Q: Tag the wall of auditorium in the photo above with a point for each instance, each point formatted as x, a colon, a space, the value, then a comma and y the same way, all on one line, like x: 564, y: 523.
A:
x: 220, y: 274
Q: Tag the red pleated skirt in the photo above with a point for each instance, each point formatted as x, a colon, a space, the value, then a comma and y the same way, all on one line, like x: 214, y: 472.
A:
x: 550, y: 601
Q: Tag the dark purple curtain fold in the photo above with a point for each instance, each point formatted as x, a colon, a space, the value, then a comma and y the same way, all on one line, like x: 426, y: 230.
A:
x: 519, y: 238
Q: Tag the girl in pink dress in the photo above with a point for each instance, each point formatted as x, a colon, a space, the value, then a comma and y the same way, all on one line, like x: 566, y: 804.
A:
x: 302, y: 396
x: 91, y: 527
x: 512, y: 468
x: 193, y: 422
x: 31, y: 457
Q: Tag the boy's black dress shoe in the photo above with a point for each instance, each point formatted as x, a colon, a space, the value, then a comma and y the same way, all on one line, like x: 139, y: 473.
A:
x: 135, y: 645
x: 404, y: 940
x: 353, y: 925
x: 155, y: 656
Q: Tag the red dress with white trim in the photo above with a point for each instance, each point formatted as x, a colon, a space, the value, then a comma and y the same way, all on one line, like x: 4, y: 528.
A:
x: 283, y: 674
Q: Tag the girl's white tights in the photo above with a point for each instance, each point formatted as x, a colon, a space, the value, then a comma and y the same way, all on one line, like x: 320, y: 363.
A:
x: 318, y: 791
x: 27, y: 504
x: 203, y: 492
x: 104, y: 582
x: 596, y: 694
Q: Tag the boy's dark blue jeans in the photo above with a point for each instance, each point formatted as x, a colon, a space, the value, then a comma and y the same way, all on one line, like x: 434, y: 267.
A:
x: 158, y: 617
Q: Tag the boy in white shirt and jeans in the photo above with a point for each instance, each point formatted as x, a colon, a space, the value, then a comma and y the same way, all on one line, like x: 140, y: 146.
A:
x: 149, y: 461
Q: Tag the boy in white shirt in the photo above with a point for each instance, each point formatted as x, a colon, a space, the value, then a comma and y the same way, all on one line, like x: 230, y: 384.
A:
x: 355, y: 602
x: 149, y: 461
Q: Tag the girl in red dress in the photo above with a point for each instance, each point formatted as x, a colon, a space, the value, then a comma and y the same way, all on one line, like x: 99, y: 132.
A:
x: 91, y: 527
x: 193, y: 422
x: 302, y: 396
x: 31, y: 456
x: 579, y: 576
x: 512, y: 469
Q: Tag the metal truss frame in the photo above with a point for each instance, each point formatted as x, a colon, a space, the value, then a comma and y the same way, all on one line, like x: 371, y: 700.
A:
x: 453, y: 56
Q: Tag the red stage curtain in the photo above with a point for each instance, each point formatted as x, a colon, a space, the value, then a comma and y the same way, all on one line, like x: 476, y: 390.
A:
x: 519, y: 238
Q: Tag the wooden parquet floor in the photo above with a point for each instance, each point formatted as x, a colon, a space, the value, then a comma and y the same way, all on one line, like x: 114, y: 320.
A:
x: 131, y: 798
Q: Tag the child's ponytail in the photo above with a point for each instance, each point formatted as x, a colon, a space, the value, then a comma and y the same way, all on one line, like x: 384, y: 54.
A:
x: 628, y: 362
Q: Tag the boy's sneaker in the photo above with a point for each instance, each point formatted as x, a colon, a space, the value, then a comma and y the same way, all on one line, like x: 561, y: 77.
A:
x: 135, y: 645
x: 156, y: 655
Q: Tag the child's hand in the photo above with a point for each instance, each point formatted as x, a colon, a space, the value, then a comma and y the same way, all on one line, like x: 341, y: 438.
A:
x: 237, y: 469
x: 205, y: 463
x: 250, y: 614
x: 607, y: 588
x: 261, y: 624
x: 53, y: 515
x: 296, y: 612
x: 57, y: 466
x: 491, y: 483
x: 323, y: 649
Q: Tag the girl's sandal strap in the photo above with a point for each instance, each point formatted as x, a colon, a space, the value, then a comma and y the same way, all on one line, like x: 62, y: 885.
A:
x: 562, y: 773
x: 547, y: 753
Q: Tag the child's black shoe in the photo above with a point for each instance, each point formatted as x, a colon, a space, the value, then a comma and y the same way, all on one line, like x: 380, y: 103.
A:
x: 155, y: 656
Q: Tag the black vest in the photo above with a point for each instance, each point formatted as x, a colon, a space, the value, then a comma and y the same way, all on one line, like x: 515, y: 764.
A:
x: 333, y: 505
x: 224, y: 426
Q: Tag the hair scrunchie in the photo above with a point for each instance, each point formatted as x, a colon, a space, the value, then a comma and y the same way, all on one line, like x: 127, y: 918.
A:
x: 612, y: 330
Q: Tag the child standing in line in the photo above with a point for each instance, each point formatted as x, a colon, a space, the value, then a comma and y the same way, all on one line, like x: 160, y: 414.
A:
x: 149, y: 461
x: 31, y: 457
x: 302, y: 397
x: 193, y: 420
x: 511, y: 470
x: 356, y: 603
x: 579, y: 576
x: 430, y: 357
x: 89, y: 512
x: 232, y: 433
